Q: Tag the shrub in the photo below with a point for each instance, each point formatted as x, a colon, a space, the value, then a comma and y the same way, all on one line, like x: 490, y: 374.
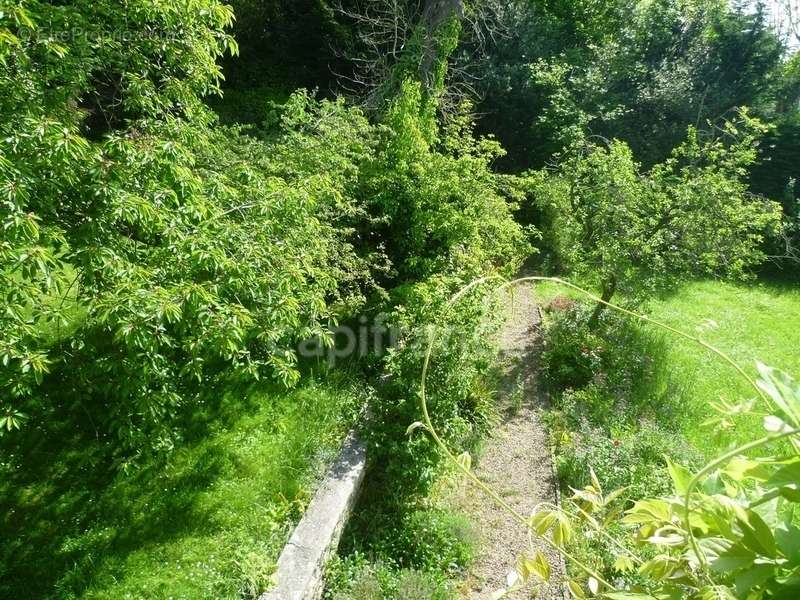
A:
x: 189, y: 254
x: 633, y: 459
x: 198, y: 264
x: 447, y: 220
x: 629, y: 232
x: 433, y: 541
x: 615, y: 365
x: 728, y: 531
x: 67, y: 80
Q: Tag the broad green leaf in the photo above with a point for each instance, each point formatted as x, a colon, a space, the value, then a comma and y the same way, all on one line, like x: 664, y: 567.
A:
x: 742, y: 467
x: 783, y: 390
x: 716, y: 592
x: 681, y: 477
x: 756, y: 535
x: 786, y: 476
x: 575, y: 589
x: 562, y: 530
x: 787, y: 538
x: 623, y: 564
x: 734, y: 558
x: 659, y: 568
x: 645, y: 511
x: 536, y: 565
x: 542, y: 521
x: 756, y: 575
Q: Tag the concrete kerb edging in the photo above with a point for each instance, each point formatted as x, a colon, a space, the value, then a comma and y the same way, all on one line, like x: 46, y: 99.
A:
x: 301, y: 566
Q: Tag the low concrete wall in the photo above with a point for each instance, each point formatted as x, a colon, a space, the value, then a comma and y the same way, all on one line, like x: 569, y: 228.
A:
x: 302, y: 562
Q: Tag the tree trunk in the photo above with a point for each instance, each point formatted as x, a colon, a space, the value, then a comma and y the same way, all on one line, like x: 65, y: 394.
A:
x: 609, y: 289
x: 435, y: 13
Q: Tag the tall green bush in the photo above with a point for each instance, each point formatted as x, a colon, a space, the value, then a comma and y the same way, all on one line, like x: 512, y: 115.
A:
x: 188, y: 253
x: 633, y: 233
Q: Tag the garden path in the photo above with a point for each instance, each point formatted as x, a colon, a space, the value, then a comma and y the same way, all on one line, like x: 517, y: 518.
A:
x: 516, y: 461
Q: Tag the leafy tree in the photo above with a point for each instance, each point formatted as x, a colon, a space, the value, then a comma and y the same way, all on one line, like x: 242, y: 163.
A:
x: 68, y: 74
x: 777, y: 172
x: 446, y: 219
x: 639, y: 72
x: 151, y: 256
x: 632, y: 232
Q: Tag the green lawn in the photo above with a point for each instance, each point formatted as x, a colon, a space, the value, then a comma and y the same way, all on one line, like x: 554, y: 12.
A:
x: 751, y: 321
x: 209, y: 522
x: 757, y: 321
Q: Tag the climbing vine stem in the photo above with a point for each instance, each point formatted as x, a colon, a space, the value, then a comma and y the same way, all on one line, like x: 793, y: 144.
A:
x: 463, y: 466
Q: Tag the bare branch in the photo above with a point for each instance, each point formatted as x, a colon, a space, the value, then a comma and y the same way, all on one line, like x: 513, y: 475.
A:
x: 386, y: 28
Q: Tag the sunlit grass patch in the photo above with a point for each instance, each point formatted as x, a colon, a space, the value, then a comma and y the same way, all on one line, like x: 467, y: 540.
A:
x: 749, y: 322
x: 208, y: 522
x: 758, y: 321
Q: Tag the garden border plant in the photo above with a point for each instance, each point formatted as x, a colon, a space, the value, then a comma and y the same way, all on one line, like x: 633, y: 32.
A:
x: 670, y: 524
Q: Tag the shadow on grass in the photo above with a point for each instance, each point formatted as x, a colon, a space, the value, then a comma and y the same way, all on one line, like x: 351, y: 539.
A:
x: 618, y: 408
x: 66, y: 506
x: 72, y: 521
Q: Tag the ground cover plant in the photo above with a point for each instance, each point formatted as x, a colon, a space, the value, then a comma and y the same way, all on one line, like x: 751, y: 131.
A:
x: 675, y: 377
x: 208, y: 521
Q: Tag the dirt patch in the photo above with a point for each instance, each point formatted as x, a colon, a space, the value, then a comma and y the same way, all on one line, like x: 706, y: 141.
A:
x: 515, y: 461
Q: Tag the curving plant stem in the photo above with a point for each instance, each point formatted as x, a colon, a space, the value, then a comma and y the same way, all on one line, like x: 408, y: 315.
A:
x: 428, y: 424
x: 717, y: 463
x: 525, y: 522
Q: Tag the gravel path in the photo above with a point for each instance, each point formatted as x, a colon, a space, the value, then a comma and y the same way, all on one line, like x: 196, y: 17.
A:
x: 515, y: 461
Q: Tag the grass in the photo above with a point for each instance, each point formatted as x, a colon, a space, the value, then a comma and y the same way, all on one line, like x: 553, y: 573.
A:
x: 628, y: 394
x: 758, y: 321
x: 750, y: 322
x: 208, y: 522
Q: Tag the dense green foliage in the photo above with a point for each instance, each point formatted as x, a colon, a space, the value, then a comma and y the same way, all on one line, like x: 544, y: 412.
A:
x: 614, y: 408
x: 177, y: 220
x: 624, y: 231
x: 639, y: 71
x: 204, y: 253
x: 155, y: 262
